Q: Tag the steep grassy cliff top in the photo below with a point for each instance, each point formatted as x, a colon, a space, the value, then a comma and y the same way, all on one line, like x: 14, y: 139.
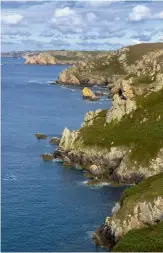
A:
x: 141, y: 130
x: 148, y: 239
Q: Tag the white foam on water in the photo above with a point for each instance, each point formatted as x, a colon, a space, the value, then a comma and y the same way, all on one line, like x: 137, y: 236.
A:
x: 57, y: 160
x: 99, y: 185
x: 84, y: 182
x: 10, y: 177
x: 89, y: 234
x: 35, y: 81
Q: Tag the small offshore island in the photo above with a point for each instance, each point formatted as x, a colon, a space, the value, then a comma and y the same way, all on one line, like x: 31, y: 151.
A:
x: 122, y: 145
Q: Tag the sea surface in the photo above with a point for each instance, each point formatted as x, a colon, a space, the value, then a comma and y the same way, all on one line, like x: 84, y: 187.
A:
x: 45, y: 206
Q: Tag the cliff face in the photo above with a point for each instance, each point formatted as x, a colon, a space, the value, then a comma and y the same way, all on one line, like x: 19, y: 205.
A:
x: 58, y: 57
x: 42, y: 59
x: 138, y: 64
x: 139, y: 207
x: 119, y: 145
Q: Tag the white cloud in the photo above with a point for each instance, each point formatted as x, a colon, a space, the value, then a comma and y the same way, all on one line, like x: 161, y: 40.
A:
x: 139, y: 12
x: 159, y: 15
x: 11, y: 19
x: 66, y: 17
x: 64, y: 12
x: 91, y: 17
x: 101, y: 3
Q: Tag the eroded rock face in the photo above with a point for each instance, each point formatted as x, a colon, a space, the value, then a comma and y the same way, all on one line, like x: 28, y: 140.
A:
x: 125, y: 64
x: 96, y: 160
x: 140, y: 215
x: 41, y: 59
x: 68, y: 77
x: 120, y: 107
x: 128, y: 172
x: 89, y: 117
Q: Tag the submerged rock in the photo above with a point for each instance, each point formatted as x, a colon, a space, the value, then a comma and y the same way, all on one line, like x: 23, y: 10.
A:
x: 40, y: 136
x: 47, y: 157
x: 99, y: 93
x: 94, y: 98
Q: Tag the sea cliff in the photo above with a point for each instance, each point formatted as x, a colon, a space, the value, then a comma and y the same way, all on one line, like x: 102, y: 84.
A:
x: 137, y: 63
x: 124, y: 145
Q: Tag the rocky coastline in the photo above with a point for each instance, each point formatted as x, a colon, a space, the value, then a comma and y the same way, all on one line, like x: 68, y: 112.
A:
x: 124, y: 144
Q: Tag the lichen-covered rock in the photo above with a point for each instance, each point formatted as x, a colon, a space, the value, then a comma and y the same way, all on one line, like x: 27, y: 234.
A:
x: 40, y: 136
x: 87, y: 93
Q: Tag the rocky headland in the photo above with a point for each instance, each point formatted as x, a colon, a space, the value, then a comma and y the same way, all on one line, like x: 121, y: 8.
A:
x: 41, y: 59
x: 124, y: 145
x: 136, y: 63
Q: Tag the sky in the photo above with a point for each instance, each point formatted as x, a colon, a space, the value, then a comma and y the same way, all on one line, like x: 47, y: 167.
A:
x: 79, y: 25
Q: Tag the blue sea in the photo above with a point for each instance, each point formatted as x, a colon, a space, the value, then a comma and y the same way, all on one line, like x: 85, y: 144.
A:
x: 45, y: 206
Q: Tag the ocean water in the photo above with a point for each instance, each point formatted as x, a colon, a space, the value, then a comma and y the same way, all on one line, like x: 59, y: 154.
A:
x: 45, y: 207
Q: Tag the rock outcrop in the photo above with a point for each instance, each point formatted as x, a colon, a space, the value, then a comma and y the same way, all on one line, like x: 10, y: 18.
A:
x: 87, y: 93
x: 140, y: 64
x: 41, y: 59
x: 40, y: 136
x: 54, y: 140
x: 123, y: 144
x: 47, y: 157
x: 140, y: 206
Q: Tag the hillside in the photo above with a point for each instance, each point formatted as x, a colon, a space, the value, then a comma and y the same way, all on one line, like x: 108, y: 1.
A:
x: 136, y: 63
x: 61, y: 56
x: 124, y: 145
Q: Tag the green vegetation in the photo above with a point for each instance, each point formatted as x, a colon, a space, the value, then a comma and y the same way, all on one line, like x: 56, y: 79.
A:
x: 107, y: 67
x: 148, y: 239
x: 147, y: 190
x: 141, y: 131
x: 137, y: 51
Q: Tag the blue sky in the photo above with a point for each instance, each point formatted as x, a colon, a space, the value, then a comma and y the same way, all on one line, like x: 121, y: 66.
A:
x: 79, y: 25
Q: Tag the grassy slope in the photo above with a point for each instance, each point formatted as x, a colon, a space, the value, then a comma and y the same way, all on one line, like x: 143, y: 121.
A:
x: 146, y: 190
x: 136, y: 51
x: 145, y: 139
x: 107, y: 67
x: 149, y: 239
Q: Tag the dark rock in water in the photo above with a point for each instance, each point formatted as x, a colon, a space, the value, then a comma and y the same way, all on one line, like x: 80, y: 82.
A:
x: 104, y: 237
x: 94, y: 98
x: 57, y: 154
x: 54, y: 140
x: 40, y: 136
x: 47, y: 157
x: 99, y: 93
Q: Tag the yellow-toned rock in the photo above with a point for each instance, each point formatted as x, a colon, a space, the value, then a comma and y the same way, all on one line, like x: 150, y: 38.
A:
x: 87, y: 93
x: 42, y: 59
